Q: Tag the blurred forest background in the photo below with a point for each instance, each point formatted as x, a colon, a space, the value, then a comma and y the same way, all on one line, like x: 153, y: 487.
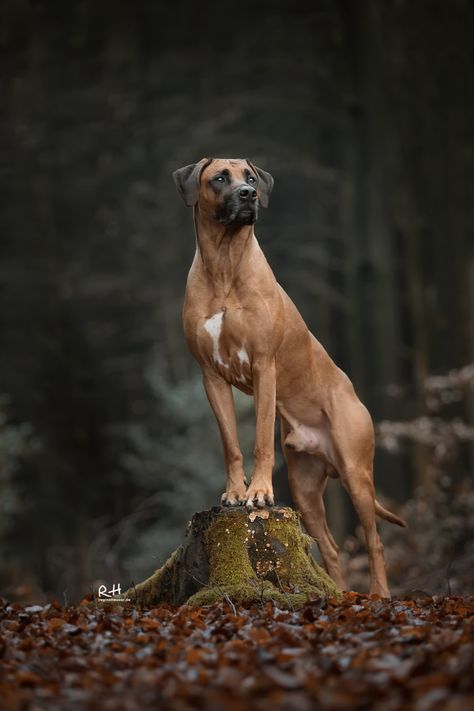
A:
x: 364, y: 113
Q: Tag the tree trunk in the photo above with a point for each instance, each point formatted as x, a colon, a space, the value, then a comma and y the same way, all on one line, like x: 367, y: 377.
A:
x: 230, y: 554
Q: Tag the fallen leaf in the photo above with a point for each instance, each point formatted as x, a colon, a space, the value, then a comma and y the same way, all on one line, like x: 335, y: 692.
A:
x: 258, y: 514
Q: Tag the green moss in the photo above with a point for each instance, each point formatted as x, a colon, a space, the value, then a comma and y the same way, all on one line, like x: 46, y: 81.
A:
x: 231, y: 574
x: 296, y: 568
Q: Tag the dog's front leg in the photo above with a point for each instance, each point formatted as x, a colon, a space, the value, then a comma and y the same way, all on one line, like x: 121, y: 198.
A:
x: 264, y: 386
x: 220, y: 397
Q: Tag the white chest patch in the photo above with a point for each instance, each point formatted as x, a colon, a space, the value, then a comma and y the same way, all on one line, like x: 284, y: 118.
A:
x: 213, y: 326
x: 244, y: 359
x: 243, y: 356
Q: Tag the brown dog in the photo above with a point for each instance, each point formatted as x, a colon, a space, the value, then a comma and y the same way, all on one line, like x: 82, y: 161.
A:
x: 245, y: 331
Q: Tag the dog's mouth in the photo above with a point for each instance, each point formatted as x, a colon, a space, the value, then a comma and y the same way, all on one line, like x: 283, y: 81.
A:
x: 246, y: 216
x: 234, y: 212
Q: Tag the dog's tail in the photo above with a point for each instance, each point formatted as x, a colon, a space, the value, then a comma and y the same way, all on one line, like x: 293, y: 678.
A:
x: 388, y: 515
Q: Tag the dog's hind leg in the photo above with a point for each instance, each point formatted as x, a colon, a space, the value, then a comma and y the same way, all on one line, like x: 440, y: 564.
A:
x: 358, y: 482
x: 354, y: 445
x: 307, y: 476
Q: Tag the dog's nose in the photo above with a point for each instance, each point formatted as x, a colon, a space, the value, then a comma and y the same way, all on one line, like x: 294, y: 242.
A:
x: 248, y: 193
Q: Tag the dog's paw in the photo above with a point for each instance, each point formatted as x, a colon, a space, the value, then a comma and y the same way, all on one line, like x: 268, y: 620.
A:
x: 233, y: 497
x: 259, y: 495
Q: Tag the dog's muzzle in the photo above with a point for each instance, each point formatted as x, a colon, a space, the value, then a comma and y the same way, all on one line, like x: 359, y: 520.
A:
x: 239, y: 206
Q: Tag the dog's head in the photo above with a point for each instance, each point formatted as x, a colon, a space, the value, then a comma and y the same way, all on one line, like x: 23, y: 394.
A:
x: 228, y: 190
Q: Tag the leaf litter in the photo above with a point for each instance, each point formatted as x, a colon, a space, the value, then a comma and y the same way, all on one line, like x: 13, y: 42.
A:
x: 358, y: 653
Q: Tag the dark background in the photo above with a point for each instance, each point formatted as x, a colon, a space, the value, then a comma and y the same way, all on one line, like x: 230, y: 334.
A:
x: 363, y: 112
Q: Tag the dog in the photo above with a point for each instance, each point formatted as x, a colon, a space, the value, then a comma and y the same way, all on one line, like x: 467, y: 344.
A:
x: 244, y: 331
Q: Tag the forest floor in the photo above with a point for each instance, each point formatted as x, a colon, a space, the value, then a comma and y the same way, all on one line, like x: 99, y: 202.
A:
x: 361, y: 653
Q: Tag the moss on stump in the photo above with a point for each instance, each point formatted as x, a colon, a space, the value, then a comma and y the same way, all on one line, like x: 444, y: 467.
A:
x: 244, y: 557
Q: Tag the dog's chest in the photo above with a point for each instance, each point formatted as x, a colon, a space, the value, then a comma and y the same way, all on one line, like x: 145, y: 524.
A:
x: 222, y: 342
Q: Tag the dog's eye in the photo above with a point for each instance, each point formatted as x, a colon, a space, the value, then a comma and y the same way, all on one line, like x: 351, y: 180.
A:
x: 252, y: 180
x: 220, y: 179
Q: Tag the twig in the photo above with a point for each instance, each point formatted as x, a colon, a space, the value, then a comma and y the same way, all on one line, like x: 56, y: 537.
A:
x: 448, y: 571
x: 259, y: 585
x: 234, y: 609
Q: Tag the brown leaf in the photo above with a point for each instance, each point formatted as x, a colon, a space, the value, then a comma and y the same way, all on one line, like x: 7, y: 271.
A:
x: 258, y: 514
x: 56, y: 622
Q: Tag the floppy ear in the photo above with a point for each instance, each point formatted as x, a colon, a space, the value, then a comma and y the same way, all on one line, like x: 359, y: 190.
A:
x: 265, y: 184
x: 187, y: 180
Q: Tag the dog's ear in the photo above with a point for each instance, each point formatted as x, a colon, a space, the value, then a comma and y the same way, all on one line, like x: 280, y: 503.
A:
x: 265, y: 183
x: 187, y: 180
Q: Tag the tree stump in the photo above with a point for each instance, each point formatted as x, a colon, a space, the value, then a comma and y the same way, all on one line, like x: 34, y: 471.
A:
x: 231, y: 554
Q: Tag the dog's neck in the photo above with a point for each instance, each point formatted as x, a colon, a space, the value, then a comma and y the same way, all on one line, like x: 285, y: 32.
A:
x: 220, y: 248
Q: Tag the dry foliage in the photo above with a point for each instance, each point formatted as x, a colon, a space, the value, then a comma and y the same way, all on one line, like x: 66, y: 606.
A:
x: 356, y: 654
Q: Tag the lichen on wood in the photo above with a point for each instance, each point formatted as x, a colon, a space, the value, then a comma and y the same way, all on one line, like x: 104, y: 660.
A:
x: 231, y: 554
